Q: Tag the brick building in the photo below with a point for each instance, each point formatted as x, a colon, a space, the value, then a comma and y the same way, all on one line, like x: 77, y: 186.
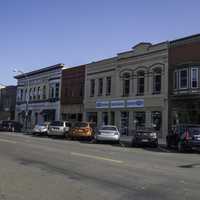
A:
x: 184, y: 80
x: 72, y: 93
x: 7, y: 102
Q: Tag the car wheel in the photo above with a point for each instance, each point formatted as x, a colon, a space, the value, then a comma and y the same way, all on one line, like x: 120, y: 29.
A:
x: 180, y: 147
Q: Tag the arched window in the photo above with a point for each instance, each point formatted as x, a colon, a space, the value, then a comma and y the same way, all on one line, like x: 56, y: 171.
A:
x: 126, y: 84
x: 140, y: 83
x: 157, y: 81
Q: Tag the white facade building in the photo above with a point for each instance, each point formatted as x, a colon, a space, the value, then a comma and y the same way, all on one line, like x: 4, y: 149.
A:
x: 38, y: 95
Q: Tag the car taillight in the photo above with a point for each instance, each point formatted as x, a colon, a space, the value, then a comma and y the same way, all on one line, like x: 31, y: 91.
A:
x: 116, y: 133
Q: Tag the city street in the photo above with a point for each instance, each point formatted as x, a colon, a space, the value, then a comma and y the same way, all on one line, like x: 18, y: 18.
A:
x: 33, y: 168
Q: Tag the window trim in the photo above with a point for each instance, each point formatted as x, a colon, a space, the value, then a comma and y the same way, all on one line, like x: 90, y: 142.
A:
x: 184, y: 69
x: 197, y: 77
x: 92, y: 94
x: 100, y: 90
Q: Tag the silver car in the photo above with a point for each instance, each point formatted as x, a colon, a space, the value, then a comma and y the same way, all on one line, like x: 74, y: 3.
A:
x: 41, y: 129
x: 59, y: 128
x: 108, y: 133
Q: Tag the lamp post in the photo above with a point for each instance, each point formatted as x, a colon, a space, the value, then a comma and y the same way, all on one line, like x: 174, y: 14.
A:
x: 27, y: 96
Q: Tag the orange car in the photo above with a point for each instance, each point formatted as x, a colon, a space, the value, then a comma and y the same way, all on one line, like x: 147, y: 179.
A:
x: 82, y: 130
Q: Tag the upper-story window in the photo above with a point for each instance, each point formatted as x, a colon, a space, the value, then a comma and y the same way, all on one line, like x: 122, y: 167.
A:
x: 21, y: 94
x: 183, y: 78
x: 25, y: 95
x: 38, y: 93
x: 108, y: 85
x: 81, y: 89
x: 34, y: 93
x: 30, y: 94
x: 140, y: 83
x: 157, y: 81
x: 126, y: 84
x: 44, y: 92
x: 100, y: 88
x: 92, y: 87
x: 176, y: 78
x: 194, y: 77
x: 57, y: 90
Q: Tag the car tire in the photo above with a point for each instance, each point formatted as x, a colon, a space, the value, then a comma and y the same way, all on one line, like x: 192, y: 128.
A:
x: 180, y: 147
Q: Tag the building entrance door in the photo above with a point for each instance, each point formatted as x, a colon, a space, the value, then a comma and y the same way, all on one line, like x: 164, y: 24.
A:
x: 124, y: 122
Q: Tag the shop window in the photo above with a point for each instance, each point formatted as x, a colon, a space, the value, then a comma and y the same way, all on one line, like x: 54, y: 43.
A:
x: 157, y: 81
x: 92, y: 87
x: 105, y: 118
x: 194, y: 77
x: 100, y: 88
x: 91, y: 116
x: 183, y: 78
x: 112, y: 118
x: 140, y: 119
x: 108, y: 86
x: 140, y: 83
x: 126, y: 84
x: 156, y: 120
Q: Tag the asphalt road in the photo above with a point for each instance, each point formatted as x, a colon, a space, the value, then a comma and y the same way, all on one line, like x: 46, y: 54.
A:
x: 34, y: 168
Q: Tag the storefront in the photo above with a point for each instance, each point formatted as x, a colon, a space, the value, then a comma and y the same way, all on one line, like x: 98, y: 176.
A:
x: 127, y: 115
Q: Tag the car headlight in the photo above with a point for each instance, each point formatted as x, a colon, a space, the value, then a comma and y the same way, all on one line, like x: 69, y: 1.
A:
x: 153, y: 135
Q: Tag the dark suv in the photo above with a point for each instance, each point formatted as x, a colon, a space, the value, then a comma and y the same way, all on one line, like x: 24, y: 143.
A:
x: 184, y: 137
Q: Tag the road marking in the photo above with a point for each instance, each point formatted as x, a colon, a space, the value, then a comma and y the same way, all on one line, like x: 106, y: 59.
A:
x: 96, y: 157
x: 8, y: 141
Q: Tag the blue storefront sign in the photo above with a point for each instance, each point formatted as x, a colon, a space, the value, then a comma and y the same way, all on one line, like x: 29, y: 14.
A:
x: 102, y: 104
x: 117, y: 104
x: 135, y: 103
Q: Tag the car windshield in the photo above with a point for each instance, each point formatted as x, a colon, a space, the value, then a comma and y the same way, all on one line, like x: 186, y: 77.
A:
x: 194, y: 130
x: 81, y: 125
x: 41, y: 125
x: 108, y: 128
x: 57, y: 123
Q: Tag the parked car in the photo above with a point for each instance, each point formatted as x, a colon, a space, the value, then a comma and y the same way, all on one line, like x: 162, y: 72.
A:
x: 147, y: 136
x: 108, y: 133
x: 11, y: 126
x: 82, y: 130
x: 41, y: 129
x: 59, y: 128
x: 184, y: 137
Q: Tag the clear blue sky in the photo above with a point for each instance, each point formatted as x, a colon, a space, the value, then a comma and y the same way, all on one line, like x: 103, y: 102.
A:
x: 39, y: 33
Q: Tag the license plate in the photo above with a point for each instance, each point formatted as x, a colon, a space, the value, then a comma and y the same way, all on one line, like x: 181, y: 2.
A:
x: 144, y: 140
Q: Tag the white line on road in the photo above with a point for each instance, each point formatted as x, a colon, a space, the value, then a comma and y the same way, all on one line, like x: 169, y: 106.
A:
x: 96, y: 157
x: 8, y: 141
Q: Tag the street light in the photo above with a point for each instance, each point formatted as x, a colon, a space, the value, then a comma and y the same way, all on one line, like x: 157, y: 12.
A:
x: 27, y: 95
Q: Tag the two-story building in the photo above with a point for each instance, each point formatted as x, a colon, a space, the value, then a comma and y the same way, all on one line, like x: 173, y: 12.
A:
x: 184, y: 80
x: 7, y: 102
x: 130, y: 90
x: 38, y: 95
x: 72, y: 93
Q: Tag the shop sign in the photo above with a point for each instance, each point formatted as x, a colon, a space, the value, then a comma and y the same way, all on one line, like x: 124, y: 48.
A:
x: 102, y: 104
x: 136, y: 103
x: 117, y: 104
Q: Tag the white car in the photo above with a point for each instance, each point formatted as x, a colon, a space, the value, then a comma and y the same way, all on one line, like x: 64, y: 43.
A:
x: 59, y: 128
x: 108, y: 133
x: 41, y: 129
